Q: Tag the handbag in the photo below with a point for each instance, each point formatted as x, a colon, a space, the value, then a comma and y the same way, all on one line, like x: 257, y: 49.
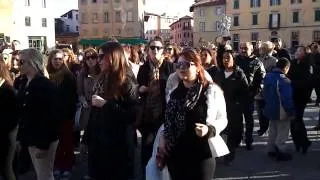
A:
x: 283, y: 113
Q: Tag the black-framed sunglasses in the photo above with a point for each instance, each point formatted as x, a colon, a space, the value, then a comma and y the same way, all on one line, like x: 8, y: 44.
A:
x: 184, y: 64
x: 58, y: 59
x: 154, y: 47
x: 92, y: 57
x: 169, y: 49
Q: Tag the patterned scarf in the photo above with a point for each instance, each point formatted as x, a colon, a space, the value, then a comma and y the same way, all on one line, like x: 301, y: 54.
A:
x: 175, y: 114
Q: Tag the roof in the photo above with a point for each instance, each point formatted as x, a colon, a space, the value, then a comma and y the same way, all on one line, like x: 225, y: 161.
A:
x: 184, y: 17
x: 68, y: 12
x: 203, y: 3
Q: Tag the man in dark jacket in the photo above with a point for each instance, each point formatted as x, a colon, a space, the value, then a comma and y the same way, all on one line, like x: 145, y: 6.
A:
x: 280, y: 52
x: 254, y: 70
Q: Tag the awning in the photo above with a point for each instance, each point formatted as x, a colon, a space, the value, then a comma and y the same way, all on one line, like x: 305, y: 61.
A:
x: 98, y: 42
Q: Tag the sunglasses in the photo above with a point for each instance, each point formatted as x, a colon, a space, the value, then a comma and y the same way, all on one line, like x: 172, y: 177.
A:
x: 92, y: 57
x: 58, y: 59
x: 184, y: 64
x: 245, y: 48
x: 154, y: 47
x: 169, y: 49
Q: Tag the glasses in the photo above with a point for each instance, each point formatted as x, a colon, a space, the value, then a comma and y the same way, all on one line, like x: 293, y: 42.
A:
x: 184, y: 64
x: 155, y: 47
x: 245, y: 48
x: 57, y: 59
x: 93, y: 57
x: 169, y: 49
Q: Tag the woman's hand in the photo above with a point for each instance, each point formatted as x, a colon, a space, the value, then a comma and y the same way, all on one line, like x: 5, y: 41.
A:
x: 162, y: 145
x: 201, y: 129
x: 98, y: 101
x: 143, y: 89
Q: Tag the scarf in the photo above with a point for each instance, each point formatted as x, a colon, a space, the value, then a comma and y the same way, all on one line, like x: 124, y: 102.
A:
x: 175, y: 114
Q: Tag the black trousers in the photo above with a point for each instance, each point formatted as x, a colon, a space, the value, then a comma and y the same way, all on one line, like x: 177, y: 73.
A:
x: 248, y: 117
x: 186, y: 169
x: 263, y: 121
x: 298, y: 129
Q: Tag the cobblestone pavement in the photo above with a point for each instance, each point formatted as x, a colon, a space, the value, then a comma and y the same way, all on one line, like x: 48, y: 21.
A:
x: 256, y: 164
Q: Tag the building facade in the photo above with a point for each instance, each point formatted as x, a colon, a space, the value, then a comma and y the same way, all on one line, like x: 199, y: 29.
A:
x: 71, y: 21
x: 30, y: 22
x: 102, y: 19
x: 6, y: 25
x: 182, y: 32
x: 158, y: 25
x: 206, y: 15
x: 296, y: 22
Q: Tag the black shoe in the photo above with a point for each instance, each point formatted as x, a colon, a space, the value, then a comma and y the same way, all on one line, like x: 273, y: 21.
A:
x: 306, y: 147
x: 284, y: 156
x: 249, y: 147
x: 298, y: 148
x: 272, y: 154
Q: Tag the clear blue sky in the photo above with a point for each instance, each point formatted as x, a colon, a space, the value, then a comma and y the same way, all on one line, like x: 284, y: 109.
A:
x: 154, y: 6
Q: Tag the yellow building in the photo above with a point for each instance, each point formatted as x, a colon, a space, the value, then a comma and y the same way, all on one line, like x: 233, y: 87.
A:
x: 206, y: 15
x: 103, y: 19
x: 6, y: 24
x: 296, y: 22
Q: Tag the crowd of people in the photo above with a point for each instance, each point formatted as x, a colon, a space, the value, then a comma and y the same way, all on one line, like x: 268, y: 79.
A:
x: 191, y: 105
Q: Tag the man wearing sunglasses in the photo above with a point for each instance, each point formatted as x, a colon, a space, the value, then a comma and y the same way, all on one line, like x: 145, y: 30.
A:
x: 255, y: 72
x: 152, y: 79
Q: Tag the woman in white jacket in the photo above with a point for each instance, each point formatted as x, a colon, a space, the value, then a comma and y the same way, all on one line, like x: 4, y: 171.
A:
x: 194, y: 118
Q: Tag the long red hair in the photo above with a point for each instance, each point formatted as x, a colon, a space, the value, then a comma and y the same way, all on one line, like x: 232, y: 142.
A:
x: 4, y: 72
x: 191, y: 55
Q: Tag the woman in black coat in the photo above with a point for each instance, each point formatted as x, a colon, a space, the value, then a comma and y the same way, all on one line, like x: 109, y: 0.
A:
x: 8, y: 123
x: 235, y: 86
x: 110, y: 129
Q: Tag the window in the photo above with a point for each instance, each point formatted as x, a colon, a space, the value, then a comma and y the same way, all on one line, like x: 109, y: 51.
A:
x: 201, y: 12
x: 295, y: 17
x: 117, y: 1
x: 219, y: 11
x: 106, y: 17
x: 236, y: 41
x: 77, y: 17
x: 68, y: 28
x: 94, y: 1
x: 294, y: 39
x: 296, y: 1
x: 254, y: 19
x: 44, y: 22
x: 27, y: 2
x: 118, y: 16
x: 275, y: 2
x: 254, y: 36
x: 274, y: 20
x: 77, y: 28
x: 217, y: 24
x: 316, y: 36
x: 83, y: 1
x: 84, y: 18
x: 255, y: 3
x: 119, y: 31
x: 44, y: 4
x: 129, y: 16
x: 317, y: 15
x: 94, y: 18
x: 202, y: 26
x: 235, y: 20
x: 105, y: 1
x: 236, y: 4
x: 27, y: 21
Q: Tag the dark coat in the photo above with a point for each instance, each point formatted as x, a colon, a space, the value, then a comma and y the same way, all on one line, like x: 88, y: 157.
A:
x: 110, y: 136
x: 301, y: 76
x: 282, y: 53
x: 38, y: 123
x: 9, y: 119
x: 236, y: 92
